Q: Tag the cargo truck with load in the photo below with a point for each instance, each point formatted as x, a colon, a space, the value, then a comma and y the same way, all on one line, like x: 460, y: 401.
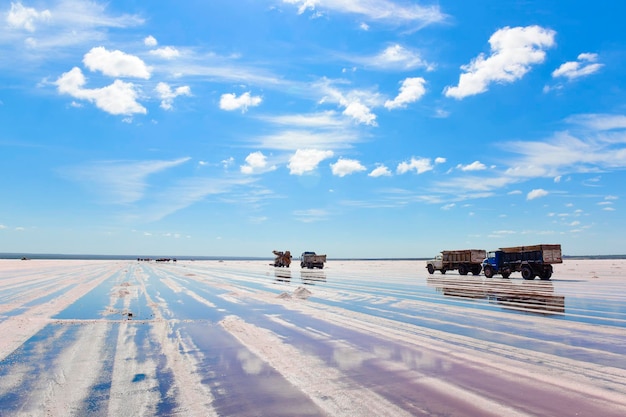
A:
x: 531, y: 261
x: 465, y: 261
x: 312, y: 260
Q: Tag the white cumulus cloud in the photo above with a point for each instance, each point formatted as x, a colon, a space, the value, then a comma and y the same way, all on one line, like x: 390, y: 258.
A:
x: 115, y: 63
x: 256, y: 162
x: 513, y: 52
x: 536, y: 193
x: 344, y: 167
x: 420, y: 166
x: 119, y: 98
x: 26, y: 17
x: 231, y: 102
x: 380, y: 171
x: 412, y: 89
x: 307, y: 160
x: 167, y: 95
x: 150, y: 41
x: 360, y: 112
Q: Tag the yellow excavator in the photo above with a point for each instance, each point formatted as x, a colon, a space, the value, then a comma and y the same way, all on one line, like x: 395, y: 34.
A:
x: 282, y: 259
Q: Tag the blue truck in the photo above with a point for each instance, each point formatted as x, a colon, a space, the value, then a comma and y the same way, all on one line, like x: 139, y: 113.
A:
x: 532, y: 261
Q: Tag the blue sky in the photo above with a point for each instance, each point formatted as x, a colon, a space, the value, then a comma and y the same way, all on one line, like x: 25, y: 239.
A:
x: 373, y: 128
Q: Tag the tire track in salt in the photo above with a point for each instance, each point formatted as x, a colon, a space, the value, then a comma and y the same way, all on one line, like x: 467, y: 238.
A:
x: 324, y: 385
x: 193, y: 398
x: 16, y: 330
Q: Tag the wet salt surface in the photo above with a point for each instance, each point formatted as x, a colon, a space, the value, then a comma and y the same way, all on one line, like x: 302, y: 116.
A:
x: 356, y: 338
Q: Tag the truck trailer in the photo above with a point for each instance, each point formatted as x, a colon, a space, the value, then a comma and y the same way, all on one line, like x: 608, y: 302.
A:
x: 531, y: 261
x: 465, y: 261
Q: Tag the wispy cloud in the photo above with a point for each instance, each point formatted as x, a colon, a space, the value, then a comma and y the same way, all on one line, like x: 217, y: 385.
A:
x: 301, y: 139
x: 474, y: 166
x: 119, y: 182
x: 181, y: 194
x: 311, y: 215
x: 536, y: 193
x: 384, y: 11
x: 324, y: 120
x: 128, y: 184
x: 586, y: 148
x: 585, y: 65
x: 34, y: 33
x: 599, y: 122
x: 394, y: 57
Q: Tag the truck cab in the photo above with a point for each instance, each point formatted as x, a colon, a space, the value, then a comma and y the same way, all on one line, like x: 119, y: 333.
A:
x: 436, y: 264
x: 493, y: 264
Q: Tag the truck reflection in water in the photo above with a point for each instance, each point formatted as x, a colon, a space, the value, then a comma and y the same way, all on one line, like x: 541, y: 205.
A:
x: 531, y: 296
x: 312, y: 277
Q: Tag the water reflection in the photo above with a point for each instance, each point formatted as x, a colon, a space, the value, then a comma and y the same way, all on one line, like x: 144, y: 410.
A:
x: 282, y: 275
x: 533, y: 296
x: 312, y: 277
x: 250, y: 363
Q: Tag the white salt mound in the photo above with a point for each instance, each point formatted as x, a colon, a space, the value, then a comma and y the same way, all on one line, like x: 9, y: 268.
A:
x: 302, y: 292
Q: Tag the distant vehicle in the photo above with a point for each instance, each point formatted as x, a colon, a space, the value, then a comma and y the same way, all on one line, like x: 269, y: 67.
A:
x: 283, y: 259
x: 464, y: 260
x: 531, y: 261
x: 312, y: 260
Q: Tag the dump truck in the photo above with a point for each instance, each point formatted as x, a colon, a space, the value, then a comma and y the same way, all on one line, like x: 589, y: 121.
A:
x: 464, y: 260
x: 312, y: 260
x: 531, y: 261
x: 283, y: 259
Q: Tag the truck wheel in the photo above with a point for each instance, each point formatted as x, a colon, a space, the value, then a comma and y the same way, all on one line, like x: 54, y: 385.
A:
x: 301, y: 264
x: 546, y: 275
x: 506, y: 274
x: 443, y: 271
x: 488, y: 271
x: 527, y: 273
x: 476, y: 270
x: 431, y: 269
x: 462, y: 269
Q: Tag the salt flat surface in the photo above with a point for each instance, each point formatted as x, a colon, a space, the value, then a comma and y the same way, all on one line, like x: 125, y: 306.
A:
x: 358, y: 338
